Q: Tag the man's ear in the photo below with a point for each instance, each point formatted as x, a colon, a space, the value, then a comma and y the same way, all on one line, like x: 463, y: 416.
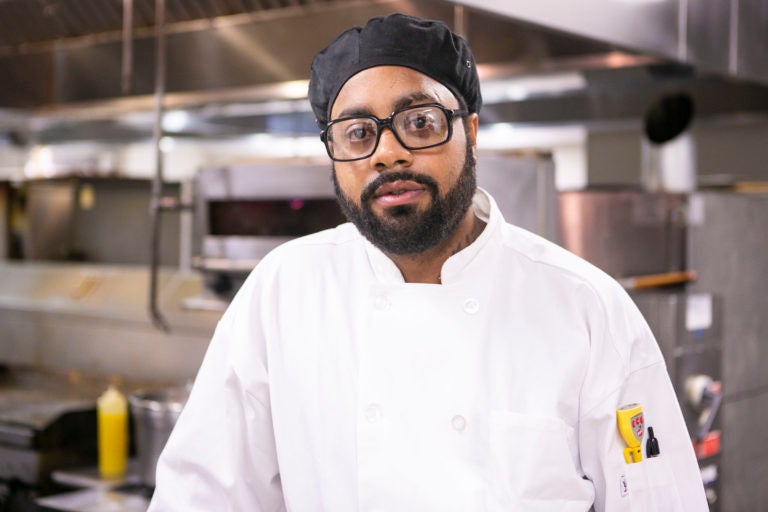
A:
x: 472, y: 124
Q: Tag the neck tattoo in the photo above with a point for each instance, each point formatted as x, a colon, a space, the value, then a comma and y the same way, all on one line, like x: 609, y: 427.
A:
x: 477, y: 228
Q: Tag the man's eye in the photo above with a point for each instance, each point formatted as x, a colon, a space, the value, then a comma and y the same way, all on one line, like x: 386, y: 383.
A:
x: 358, y: 132
x: 420, y: 121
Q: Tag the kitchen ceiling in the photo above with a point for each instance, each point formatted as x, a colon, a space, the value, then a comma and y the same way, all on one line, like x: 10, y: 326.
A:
x: 241, y: 66
x: 30, y: 22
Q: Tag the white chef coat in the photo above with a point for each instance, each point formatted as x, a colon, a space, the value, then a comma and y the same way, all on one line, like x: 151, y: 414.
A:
x: 331, y: 385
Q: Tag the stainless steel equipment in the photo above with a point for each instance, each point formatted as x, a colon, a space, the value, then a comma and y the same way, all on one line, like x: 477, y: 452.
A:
x: 246, y: 211
x: 243, y: 212
x: 524, y: 189
x: 74, y: 219
x: 625, y: 232
x: 154, y: 415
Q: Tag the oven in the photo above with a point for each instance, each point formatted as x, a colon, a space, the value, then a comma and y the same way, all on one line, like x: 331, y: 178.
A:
x: 243, y: 212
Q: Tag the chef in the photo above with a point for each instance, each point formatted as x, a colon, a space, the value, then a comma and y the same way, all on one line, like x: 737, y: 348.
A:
x: 426, y: 356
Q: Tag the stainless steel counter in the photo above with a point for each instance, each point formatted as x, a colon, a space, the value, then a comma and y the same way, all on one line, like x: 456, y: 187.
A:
x: 94, y: 319
x: 97, y: 494
x: 94, y: 500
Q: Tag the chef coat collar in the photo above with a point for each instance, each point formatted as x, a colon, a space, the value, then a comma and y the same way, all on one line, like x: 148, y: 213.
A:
x: 485, y: 208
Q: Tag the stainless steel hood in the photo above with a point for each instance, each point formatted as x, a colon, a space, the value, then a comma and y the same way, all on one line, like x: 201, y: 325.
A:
x: 78, y: 70
x: 729, y: 37
x: 213, y: 45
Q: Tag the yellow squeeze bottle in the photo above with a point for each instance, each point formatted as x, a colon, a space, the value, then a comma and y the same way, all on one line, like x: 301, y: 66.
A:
x: 112, y: 412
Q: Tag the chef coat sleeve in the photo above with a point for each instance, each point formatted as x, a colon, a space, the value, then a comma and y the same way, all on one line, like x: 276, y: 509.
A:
x: 221, y: 454
x: 626, y: 366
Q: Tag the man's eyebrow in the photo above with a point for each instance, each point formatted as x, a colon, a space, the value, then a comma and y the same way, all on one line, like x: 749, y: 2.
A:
x: 402, y: 102
x: 354, y: 112
x: 416, y: 97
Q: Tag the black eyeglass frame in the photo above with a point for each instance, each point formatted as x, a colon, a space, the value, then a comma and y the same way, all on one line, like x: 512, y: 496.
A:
x: 450, y: 115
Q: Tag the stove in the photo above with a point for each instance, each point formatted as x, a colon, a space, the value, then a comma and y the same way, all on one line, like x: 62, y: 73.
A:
x: 47, y: 422
x: 36, y: 438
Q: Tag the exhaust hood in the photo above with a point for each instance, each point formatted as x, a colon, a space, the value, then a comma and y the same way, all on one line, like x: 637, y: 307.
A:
x: 81, y: 69
x: 729, y: 37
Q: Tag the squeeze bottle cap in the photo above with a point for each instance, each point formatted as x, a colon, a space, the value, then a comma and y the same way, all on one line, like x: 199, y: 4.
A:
x: 112, y: 401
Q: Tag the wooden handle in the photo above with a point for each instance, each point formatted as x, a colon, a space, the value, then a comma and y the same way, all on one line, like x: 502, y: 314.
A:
x: 654, y: 280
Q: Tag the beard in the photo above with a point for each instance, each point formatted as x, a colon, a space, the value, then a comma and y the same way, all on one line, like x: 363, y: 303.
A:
x: 405, y: 229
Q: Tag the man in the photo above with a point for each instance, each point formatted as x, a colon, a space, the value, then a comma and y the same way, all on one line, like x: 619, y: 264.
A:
x: 426, y: 356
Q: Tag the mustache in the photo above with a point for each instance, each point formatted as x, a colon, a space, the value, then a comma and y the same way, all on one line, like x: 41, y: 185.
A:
x: 389, y: 177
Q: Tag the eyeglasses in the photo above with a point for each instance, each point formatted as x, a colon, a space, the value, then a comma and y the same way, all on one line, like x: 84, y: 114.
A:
x: 416, y: 127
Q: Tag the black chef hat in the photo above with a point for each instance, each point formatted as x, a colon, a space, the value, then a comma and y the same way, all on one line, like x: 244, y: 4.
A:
x: 395, y: 40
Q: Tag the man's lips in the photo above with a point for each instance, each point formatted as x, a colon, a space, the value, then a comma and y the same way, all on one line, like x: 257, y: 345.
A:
x: 398, y: 192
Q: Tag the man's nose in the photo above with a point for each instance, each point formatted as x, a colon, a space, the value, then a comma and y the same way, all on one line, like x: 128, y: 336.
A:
x: 389, y: 153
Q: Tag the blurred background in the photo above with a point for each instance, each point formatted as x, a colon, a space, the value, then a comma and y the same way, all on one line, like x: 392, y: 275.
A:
x: 151, y: 151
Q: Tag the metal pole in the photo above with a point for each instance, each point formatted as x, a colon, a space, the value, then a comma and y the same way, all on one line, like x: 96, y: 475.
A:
x: 460, y: 21
x: 682, y: 30
x: 157, y: 183
x: 733, y: 39
x: 127, y: 71
x: 186, y: 221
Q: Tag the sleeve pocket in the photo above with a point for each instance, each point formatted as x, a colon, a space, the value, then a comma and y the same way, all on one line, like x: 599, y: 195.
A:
x: 651, y: 486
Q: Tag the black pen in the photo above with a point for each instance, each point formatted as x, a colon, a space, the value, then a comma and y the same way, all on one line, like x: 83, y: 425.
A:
x: 651, y: 445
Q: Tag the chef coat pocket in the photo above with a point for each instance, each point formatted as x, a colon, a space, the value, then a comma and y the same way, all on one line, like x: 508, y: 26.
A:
x: 535, y: 462
x: 651, y: 485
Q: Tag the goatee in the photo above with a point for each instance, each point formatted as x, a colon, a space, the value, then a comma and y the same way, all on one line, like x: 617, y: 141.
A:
x: 405, y: 229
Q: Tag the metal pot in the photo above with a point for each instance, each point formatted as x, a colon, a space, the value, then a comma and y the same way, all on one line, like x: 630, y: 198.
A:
x: 154, y: 415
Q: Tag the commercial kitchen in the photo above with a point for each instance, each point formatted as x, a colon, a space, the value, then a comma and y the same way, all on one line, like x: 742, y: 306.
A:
x: 152, y: 151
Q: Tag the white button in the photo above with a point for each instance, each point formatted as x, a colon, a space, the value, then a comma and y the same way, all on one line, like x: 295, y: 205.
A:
x: 458, y: 422
x: 471, y: 306
x: 381, y: 302
x: 373, y: 413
